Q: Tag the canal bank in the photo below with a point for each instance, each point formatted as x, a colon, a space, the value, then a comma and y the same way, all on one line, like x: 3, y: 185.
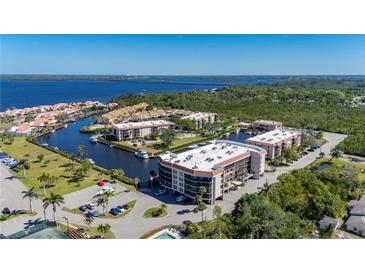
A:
x: 105, y: 156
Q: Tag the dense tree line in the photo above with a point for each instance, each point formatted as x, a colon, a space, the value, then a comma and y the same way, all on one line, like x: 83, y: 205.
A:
x: 317, y: 104
x: 290, y: 208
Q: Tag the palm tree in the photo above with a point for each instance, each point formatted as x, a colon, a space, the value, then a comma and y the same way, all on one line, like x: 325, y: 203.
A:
x: 217, y: 211
x: 88, y: 220
x: 335, y: 154
x: 54, y: 200
x: 30, y: 194
x: 101, y: 201
x: 199, y: 199
x: 104, y: 228
x: 107, y: 195
x: 23, y: 163
x: 43, y: 179
x: 81, y: 152
x: 40, y: 157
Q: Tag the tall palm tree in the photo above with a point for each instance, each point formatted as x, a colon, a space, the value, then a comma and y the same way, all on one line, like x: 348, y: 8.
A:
x: 104, y: 228
x: 43, y: 179
x: 101, y: 201
x: 107, y: 195
x: 30, y: 194
x: 54, y: 200
x: 23, y: 163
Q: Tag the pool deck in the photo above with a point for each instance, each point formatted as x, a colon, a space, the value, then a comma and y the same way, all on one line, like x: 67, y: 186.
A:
x: 172, y: 232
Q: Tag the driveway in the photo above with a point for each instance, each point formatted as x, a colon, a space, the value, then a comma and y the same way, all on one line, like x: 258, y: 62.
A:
x: 134, y: 225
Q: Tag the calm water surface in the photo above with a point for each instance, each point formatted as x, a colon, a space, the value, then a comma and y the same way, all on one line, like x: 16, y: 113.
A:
x: 22, y: 94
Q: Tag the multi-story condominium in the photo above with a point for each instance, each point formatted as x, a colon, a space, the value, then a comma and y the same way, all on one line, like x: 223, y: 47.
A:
x: 267, y: 125
x: 126, y: 131
x: 202, y: 118
x: 275, y: 141
x: 219, y: 166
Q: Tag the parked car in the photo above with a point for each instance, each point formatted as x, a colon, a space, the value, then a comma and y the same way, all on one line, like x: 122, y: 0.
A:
x: 184, y: 211
x: 180, y: 198
x: 90, y: 206
x: 6, y: 211
x: 120, y: 208
x: 83, y: 208
x: 160, y: 191
x: 114, y: 211
x: 126, y: 206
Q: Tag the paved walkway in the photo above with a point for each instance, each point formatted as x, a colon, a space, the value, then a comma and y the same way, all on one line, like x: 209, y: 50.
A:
x: 134, y: 225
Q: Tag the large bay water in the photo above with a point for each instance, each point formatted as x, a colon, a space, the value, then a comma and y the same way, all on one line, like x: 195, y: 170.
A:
x: 20, y: 94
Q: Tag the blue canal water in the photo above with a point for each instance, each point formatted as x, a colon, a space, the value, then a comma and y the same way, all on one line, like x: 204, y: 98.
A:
x: 67, y: 139
x: 22, y: 94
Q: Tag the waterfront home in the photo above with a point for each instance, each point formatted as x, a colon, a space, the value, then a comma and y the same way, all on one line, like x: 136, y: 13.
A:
x: 274, y: 142
x: 24, y: 130
x: 356, y: 222
x: 201, y: 118
x: 267, y: 125
x: 220, y: 166
x: 122, y: 113
x: 134, y: 130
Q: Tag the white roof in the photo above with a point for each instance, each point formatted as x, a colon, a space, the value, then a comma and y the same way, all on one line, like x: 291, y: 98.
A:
x: 205, y: 158
x: 198, y: 115
x: 274, y: 136
x: 144, y: 124
x: 267, y: 122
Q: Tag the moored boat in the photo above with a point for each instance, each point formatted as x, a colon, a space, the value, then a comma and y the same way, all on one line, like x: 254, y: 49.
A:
x: 93, y: 139
x: 141, y: 154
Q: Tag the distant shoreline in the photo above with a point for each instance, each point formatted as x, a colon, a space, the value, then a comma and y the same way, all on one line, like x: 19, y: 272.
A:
x: 164, y: 78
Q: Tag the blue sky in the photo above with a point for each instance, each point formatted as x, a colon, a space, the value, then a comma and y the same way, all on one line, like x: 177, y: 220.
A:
x: 183, y: 54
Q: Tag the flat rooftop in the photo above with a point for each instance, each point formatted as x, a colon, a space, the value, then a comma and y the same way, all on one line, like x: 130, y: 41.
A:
x: 274, y: 136
x: 267, y: 122
x: 205, y: 158
x: 145, y: 124
x: 198, y: 115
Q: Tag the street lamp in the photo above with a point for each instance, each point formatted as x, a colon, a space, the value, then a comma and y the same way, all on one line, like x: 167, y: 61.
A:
x: 68, y: 226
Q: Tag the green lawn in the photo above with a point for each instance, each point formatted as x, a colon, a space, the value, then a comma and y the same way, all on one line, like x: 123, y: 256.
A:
x: 23, y: 149
x: 149, y: 213
x: 6, y: 217
x: 152, y: 150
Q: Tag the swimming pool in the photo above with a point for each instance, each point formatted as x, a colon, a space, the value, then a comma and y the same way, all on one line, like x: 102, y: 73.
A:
x: 165, y: 236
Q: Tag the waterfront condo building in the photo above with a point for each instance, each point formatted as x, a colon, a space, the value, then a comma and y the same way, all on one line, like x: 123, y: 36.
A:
x: 275, y: 141
x: 201, y: 118
x: 219, y: 166
x: 126, y: 131
x: 267, y: 125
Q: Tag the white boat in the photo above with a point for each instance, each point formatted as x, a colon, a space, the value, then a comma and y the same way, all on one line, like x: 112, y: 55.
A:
x: 90, y: 160
x: 93, y: 139
x: 141, y: 154
x: 66, y: 125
